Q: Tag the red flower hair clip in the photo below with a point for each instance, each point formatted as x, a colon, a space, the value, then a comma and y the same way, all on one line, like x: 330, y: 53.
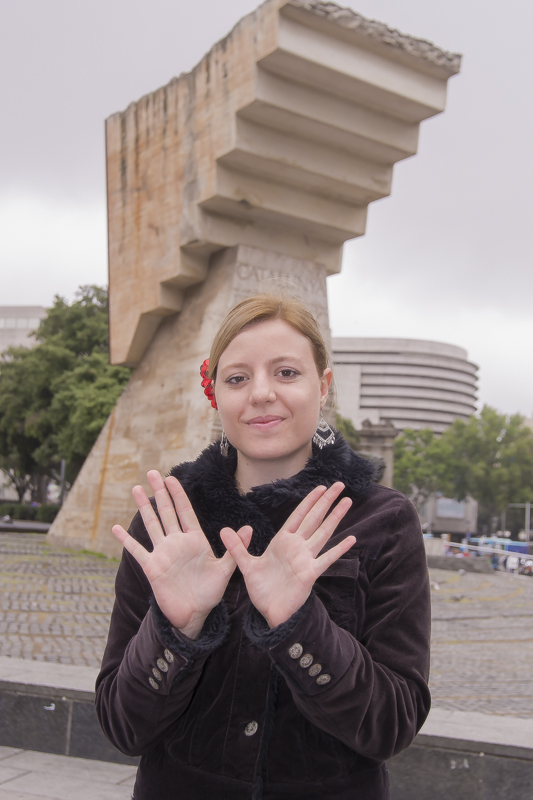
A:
x: 207, y: 383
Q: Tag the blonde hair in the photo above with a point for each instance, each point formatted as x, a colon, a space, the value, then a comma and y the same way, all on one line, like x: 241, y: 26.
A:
x: 262, y: 308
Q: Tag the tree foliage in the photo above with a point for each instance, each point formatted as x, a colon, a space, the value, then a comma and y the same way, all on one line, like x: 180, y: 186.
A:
x: 490, y: 457
x: 346, y: 427
x: 56, y: 396
x: 417, y: 466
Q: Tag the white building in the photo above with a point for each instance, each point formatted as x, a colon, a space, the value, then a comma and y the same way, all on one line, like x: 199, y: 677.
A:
x: 412, y: 383
x: 17, y: 323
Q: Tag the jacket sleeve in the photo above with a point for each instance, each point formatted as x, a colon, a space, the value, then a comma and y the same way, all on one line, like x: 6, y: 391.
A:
x: 148, y: 671
x: 371, y: 691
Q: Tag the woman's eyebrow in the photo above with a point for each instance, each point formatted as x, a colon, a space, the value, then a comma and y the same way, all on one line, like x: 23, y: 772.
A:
x: 273, y: 362
x: 236, y: 365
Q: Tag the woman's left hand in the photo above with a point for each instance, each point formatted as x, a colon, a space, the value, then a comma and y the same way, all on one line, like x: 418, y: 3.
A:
x: 280, y: 581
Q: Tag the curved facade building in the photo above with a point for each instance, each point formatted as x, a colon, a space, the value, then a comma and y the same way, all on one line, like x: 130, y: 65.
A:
x: 412, y: 383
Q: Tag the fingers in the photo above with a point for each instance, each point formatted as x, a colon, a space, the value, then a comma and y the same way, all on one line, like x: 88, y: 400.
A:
x: 323, y: 533
x: 228, y: 559
x: 236, y: 548
x: 165, y: 505
x: 245, y: 535
x: 330, y: 556
x: 131, y: 545
x: 301, y: 511
x: 318, y: 511
x: 187, y: 517
x: 148, y: 515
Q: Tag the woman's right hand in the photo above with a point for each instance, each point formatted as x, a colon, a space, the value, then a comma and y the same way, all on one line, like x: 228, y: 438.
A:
x: 187, y: 579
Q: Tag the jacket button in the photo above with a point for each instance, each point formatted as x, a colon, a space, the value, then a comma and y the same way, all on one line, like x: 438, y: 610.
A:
x: 306, y: 660
x: 157, y: 675
x: 251, y: 728
x: 315, y: 669
x: 162, y: 664
x: 169, y: 657
x: 153, y: 683
x: 296, y: 650
x: 322, y: 679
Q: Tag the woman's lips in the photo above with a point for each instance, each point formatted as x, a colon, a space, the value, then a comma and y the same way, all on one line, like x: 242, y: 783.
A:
x: 264, y: 423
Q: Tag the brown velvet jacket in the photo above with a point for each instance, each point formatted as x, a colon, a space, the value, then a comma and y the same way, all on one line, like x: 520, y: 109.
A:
x: 305, y: 711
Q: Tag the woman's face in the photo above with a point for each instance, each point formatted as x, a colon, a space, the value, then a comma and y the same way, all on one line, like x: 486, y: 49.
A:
x: 269, y: 393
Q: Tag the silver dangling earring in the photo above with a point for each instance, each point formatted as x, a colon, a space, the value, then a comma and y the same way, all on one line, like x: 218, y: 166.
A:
x: 224, y: 445
x: 324, y: 435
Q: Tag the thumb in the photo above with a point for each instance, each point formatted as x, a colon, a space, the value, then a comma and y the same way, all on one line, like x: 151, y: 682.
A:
x: 235, y: 545
x: 245, y: 535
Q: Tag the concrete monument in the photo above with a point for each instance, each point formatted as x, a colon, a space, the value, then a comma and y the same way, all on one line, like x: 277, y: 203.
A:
x: 252, y: 169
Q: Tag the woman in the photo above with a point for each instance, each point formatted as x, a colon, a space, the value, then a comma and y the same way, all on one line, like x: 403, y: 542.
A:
x: 270, y: 639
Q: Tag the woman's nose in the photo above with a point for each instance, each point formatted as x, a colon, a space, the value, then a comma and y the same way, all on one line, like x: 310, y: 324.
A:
x: 262, y: 391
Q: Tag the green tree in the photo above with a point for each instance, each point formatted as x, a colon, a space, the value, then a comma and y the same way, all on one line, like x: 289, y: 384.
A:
x: 346, y: 428
x: 82, y: 327
x: 489, y: 456
x: 418, y: 468
x: 55, y: 397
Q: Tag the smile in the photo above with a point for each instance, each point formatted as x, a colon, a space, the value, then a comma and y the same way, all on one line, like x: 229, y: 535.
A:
x: 264, y: 423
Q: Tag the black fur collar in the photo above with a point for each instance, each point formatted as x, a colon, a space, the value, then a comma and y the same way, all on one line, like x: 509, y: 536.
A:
x: 209, y: 483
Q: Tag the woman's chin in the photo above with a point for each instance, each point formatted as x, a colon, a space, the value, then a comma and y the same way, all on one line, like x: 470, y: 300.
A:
x: 277, y: 449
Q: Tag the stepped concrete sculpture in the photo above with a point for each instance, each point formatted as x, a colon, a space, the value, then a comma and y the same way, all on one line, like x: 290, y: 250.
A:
x: 251, y: 170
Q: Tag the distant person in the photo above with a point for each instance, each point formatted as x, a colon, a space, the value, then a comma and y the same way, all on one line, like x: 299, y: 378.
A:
x: 270, y: 635
x: 512, y: 563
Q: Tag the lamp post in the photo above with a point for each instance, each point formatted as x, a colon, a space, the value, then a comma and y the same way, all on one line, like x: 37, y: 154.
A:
x: 527, y: 507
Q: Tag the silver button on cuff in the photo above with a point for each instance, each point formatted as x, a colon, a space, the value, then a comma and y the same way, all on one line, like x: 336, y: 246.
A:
x: 315, y: 669
x: 306, y: 660
x: 251, y: 728
x: 157, y: 675
x: 162, y: 664
x: 296, y: 650
x: 322, y: 679
x: 169, y: 656
x: 153, y: 684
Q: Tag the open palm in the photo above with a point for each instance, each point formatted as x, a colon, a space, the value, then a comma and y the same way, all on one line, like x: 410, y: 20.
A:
x: 280, y: 581
x: 186, y: 577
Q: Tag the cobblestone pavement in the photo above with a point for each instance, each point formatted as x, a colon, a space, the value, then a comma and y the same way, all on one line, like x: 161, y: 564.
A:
x: 54, y: 603
x: 55, y: 606
x: 482, y: 642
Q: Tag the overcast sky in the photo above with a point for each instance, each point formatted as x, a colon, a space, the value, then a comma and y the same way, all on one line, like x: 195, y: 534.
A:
x: 447, y: 257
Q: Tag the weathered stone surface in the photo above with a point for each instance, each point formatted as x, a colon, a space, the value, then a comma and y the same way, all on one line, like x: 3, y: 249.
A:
x: 379, y: 440
x: 279, y: 139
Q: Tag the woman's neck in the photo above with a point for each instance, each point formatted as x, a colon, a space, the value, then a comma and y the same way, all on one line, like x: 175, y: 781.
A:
x: 257, y: 472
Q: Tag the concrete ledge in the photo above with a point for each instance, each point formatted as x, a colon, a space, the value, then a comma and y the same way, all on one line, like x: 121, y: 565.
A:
x: 22, y: 526
x: 47, y: 678
x: 466, y: 756
x: 50, y: 707
x: 496, y: 732
x: 472, y: 564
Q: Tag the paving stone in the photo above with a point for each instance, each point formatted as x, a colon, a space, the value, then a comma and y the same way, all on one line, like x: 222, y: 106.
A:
x: 482, y: 642
x: 78, y: 768
x: 58, y: 786
x: 54, y: 603
x: 9, y: 773
x: 7, y: 752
